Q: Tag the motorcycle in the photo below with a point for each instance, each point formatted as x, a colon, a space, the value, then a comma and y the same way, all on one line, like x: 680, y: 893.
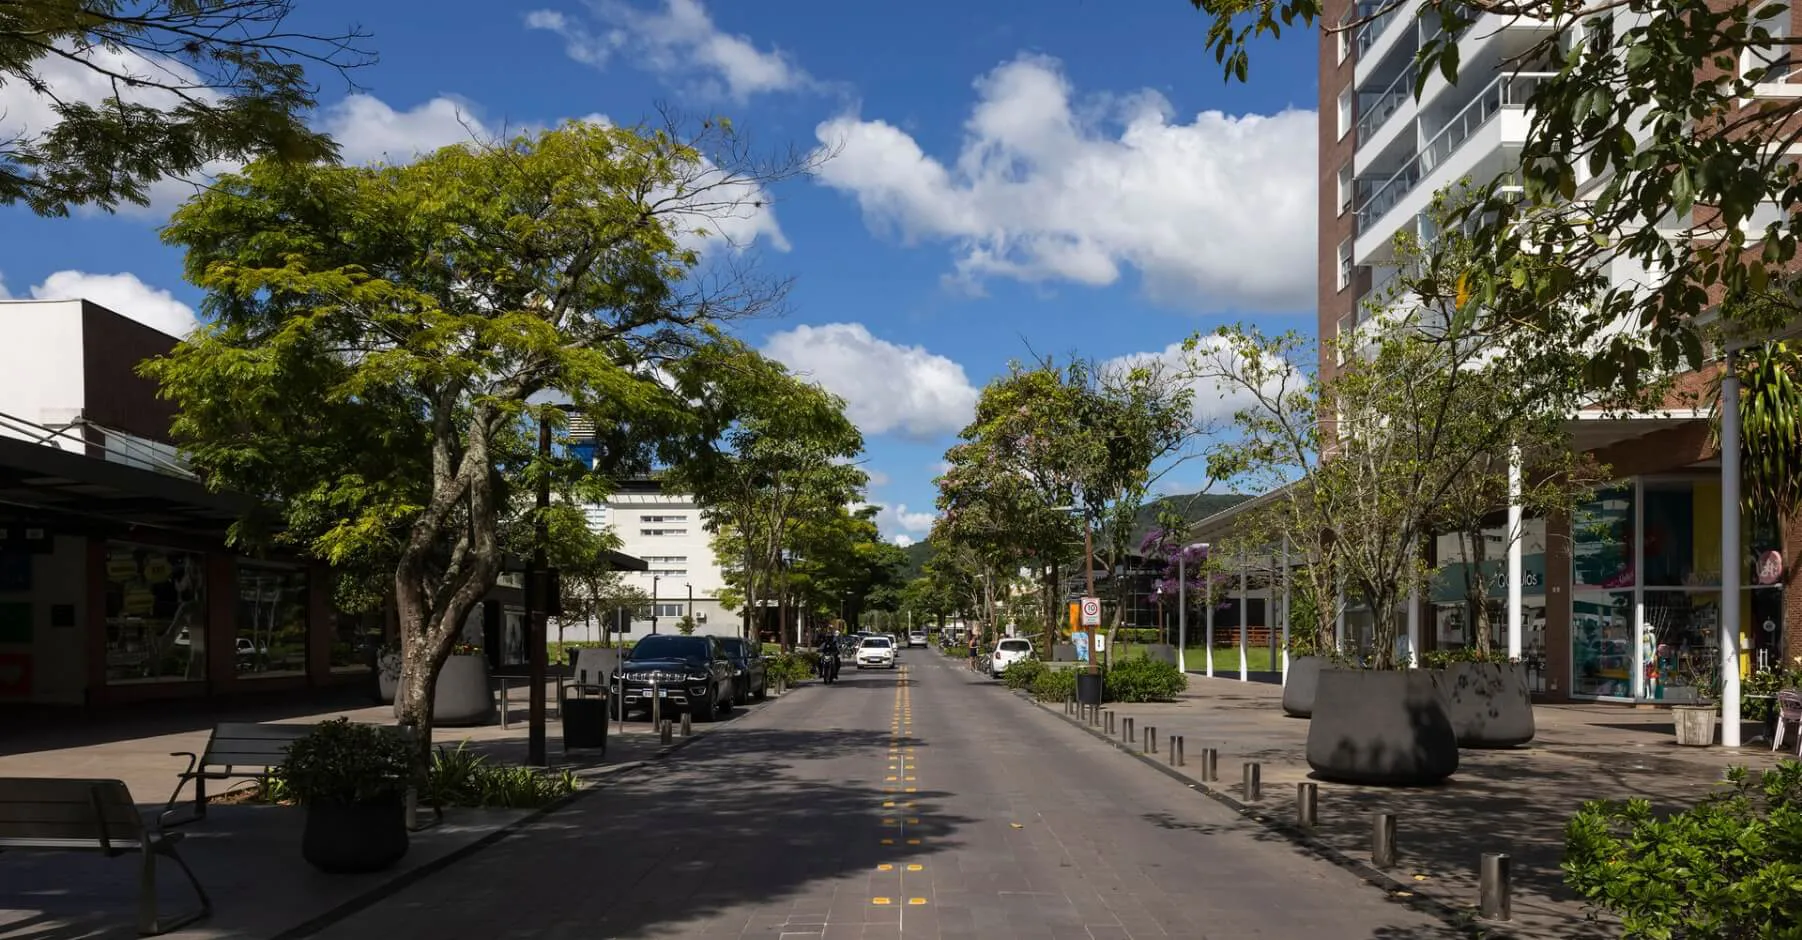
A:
x: 828, y: 667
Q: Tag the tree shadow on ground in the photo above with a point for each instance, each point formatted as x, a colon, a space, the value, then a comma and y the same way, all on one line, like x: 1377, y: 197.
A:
x: 30, y: 730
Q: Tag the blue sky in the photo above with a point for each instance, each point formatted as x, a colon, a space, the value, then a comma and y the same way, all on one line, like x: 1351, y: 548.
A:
x: 1059, y: 176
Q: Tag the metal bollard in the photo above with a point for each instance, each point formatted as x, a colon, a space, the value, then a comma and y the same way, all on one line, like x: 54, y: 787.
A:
x: 1382, y: 840
x: 1252, y: 784
x: 1151, y: 740
x: 656, y: 706
x: 664, y: 731
x: 1307, y: 805
x: 1126, y: 730
x: 1181, y: 758
x: 687, y: 725
x: 1110, y: 721
x: 1070, y: 704
x: 1495, y: 886
x: 1210, y: 765
x: 1172, y: 758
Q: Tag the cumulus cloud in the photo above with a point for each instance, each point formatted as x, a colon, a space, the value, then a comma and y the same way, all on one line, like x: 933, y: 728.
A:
x: 123, y: 294
x: 369, y: 130
x: 677, y: 40
x: 1217, y: 399
x: 1215, y: 213
x: 899, y: 519
x: 903, y: 540
x: 887, y: 387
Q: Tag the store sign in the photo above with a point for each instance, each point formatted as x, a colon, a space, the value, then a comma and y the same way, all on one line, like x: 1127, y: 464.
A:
x: 32, y: 539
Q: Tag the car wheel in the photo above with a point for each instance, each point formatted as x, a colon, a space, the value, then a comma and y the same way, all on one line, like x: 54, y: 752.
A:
x: 763, y: 691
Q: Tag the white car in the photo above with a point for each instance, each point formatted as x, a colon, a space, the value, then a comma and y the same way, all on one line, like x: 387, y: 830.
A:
x: 1007, y: 652
x: 876, y: 652
x: 916, y: 638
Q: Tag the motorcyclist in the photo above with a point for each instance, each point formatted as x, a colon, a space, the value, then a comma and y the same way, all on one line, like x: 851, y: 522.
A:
x: 828, y: 649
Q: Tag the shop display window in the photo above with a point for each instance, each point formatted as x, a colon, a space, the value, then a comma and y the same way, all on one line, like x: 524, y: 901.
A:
x: 271, y: 634
x: 1602, y: 644
x: 156, y: 629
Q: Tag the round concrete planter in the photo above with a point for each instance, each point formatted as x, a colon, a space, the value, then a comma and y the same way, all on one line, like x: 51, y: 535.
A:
x: 1299, y: 689
x: 354, y: 839
x: 1488, y: 703
x: 1381, y: 727
x: 387, y: 676
x: 463, y: 696
x: 1695, y: 724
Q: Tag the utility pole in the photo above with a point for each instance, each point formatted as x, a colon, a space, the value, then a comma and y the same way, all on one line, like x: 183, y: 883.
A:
x: 538, y: 656
x: 654, y: 579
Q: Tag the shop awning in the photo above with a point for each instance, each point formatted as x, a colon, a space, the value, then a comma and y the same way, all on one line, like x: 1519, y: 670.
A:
x: 42, y: 483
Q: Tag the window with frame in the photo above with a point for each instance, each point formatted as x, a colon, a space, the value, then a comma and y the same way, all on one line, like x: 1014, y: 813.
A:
x: 669, y: 610
x: 156, y: 614
x: 1346, y: 189
x: 678, y: 517
x: 1344, y: 43
x: 1345, y: 111
x: 271, y: 635
x: 1345, y: 264
x: 658, y: 532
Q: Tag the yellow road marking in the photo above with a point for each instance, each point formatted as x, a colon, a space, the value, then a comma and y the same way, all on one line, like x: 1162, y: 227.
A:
x: 885, y: 867
x: 916, y: 868
x: 888, y: 842
x: 913, y: 842
x: 916, y: 901
x: 879, y: 900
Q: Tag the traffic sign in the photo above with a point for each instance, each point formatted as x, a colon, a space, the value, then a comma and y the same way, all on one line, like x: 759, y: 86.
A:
x: 1091, y: 611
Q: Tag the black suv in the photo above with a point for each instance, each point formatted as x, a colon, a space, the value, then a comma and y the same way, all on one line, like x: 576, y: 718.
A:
x: 748, y: 668
x: 690, y: 673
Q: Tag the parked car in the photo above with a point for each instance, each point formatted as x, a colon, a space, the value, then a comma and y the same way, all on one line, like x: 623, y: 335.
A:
x: 691, y: 674
x: 916, y: 638
x: 749, y: 669
x: 1008, y: 651
x: 876, y: 652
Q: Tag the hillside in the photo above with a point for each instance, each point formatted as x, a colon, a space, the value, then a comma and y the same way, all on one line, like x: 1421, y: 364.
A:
x: 1191, y: 506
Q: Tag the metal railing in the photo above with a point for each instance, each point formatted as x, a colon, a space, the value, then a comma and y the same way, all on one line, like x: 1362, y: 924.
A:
x: 1374, y: 111
x: 118, y: 446
x: 1507, y: 91
x: 1373, y: 30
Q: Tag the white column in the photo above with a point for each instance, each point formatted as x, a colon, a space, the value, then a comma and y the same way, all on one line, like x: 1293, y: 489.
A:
x: 1286, y: 573
x: 1516, y: 568
x: 1182, y: 614
x: 1208, y: 599
x: 1730, y: 561
x: 1641, y: 633
x: 1244, y: 615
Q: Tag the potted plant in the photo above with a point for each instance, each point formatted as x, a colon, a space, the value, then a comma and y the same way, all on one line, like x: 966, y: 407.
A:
x: 1486, y: 696
x: 464, y: 694
x: 352, y: 780
x: 387, y: 672
x: 1696, y: 719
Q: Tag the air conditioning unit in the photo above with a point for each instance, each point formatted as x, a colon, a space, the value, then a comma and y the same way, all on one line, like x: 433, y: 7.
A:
x: 701, y: 617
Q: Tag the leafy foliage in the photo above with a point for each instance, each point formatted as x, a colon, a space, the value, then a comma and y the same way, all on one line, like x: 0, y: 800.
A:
x: 1143, y: 679
x: 463, y: 777
x: 1728, y: 868
x: 348, y: 763
x: 1022, y: 674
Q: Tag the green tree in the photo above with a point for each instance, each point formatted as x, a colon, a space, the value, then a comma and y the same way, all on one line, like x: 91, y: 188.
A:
x: 176, y: 84
x: 377, y: 333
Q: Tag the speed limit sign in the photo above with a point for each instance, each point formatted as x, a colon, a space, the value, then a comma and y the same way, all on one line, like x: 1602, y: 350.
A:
x: 1091, y: 611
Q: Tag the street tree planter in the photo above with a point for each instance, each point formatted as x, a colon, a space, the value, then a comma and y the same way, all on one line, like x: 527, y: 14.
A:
x: 1381, y: 727
x: 464, y: 695
x: 355, y: 838
x: 387, y: 676
x: 1300, y: 687
x: 1490, y: 704
x: 1695, y: 724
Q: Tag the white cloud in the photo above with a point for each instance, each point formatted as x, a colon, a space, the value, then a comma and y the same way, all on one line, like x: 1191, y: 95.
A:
x: 1217, y: 399
x: 123, y: 294
x: 677, y: 40
x: 903, y: 540
x: 876, y: 477
x: 368, y: 129
x: 896, y: 516
x: 887, y: 387
x: 1215, y: 213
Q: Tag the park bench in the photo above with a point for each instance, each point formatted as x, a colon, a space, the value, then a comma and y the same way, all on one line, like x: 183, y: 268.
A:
x: 234, y: 751
x: 52, y: 814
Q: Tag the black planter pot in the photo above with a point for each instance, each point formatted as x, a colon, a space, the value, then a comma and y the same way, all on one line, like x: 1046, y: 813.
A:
x: 1299, y: 689
x: 1381, y: 727
x: 1489, y: 704
x: 353, y: 839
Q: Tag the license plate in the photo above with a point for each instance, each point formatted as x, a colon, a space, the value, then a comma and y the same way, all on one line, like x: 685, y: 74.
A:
x: 663, y: 693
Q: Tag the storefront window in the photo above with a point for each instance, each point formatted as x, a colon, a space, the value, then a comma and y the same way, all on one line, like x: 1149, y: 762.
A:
x: 1451, y: 587
x: 155, y: 614
x: 1602, y: 540
x: 272, y: 621
x: 354, y: 637
x: 1682, y: 638
x: 1602, y: 644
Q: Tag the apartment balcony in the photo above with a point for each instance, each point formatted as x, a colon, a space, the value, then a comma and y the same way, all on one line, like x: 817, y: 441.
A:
x: 1383, y: 115
x: 1396, y: 32
x: 1479, y: 142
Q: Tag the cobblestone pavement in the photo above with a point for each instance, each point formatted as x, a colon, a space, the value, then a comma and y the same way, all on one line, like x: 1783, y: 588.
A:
x: 918, y: 803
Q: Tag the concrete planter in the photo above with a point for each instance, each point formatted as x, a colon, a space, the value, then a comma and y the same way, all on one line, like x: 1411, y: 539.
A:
x: 1162, y: 652
x: 1695, y: 724
x: 1387, y: 728
x: 1489, y: 704
x: 1299, y: 690
x: 464, y: 696
x: 387, y: 676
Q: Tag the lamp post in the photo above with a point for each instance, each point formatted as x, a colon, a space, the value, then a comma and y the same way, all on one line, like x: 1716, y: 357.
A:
x: 1182, y: 605
x: 691, y: 602
x: 537, y: 656
x: 654, y: 579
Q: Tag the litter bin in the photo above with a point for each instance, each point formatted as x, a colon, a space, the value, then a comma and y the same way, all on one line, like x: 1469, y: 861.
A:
x: 584, y: 709
x: 1088, y: 688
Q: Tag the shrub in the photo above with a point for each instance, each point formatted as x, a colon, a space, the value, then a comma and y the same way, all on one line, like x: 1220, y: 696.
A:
x: 793, y: 667
x: 465, y: 778
x: 1142, y: 679
x: 1440, y: 659
x: 1022, y: 674
x: 345, y: 762
x: 1054, y: 685
x: 1727, y: 868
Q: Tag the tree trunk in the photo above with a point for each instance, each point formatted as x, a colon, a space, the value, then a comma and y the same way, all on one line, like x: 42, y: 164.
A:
x: 1476, y: 589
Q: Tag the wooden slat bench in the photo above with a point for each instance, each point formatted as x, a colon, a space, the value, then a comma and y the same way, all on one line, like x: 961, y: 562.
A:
x: 234, y: 751
x: 52, y: 814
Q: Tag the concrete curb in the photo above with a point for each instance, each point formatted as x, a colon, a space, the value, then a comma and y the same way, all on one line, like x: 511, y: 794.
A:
x: 595, y: 780
x: 1464, y: 920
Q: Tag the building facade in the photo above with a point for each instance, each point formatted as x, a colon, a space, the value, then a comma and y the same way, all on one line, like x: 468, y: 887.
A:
x: 683, y: 576
x: 1620, y: 601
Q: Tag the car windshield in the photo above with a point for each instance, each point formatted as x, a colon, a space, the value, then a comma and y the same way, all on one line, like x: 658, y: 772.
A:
x: 1015, y: 646
x: 733, y: 647
x: 662, y: 646
x: 877, y: 642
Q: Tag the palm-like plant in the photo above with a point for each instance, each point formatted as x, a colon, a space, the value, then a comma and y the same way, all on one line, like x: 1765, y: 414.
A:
x: 1770, y: 401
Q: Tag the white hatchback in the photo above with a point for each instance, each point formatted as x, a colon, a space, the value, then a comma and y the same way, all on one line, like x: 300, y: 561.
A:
x: 1007, y: 652
x: 876, y: 652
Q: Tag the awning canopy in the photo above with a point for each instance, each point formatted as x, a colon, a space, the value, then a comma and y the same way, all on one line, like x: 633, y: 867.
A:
x: 42, y: 482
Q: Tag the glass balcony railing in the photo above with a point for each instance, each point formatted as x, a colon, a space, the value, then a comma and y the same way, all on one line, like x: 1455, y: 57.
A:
x: 1375, y: 110
x: 1371, y: 31
x: 1377, y: 197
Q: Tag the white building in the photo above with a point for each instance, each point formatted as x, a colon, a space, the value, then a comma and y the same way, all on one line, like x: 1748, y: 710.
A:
x: 684, y: 578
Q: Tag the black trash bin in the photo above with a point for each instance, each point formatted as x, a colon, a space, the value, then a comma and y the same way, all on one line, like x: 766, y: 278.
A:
x: 1088, y: 688
x: 584, y: 710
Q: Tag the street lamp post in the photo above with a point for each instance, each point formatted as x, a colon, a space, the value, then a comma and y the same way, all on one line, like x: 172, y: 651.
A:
x: 691, y: 602
x: 538, y: 657
x: 654, y: 579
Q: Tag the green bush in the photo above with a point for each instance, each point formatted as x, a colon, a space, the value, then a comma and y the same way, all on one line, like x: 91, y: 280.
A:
x: 346, y: 762
x: 465, y: 778
x: 1143, y: 679
x: 793, y: 667
x: 1139, y: 635
x: 1728, y: 868
x: 1022, y: 674
x: 956, y: 650
x: 1054, y: 685
x: 1440, y: 659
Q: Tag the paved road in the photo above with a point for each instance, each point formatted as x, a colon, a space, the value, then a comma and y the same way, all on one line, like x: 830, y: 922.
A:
x: 920, y: 803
